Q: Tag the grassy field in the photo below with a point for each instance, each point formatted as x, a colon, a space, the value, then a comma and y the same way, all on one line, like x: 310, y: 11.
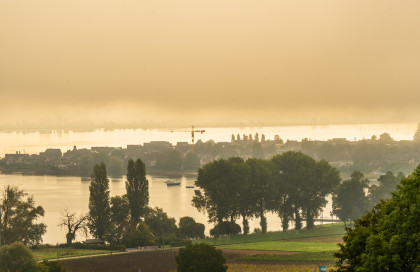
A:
x: 285, y: 246
x: 307, y: 250
x: 309, y: 267
x: 337, y: 229
x: 51, y: 253
x: 304, y: 256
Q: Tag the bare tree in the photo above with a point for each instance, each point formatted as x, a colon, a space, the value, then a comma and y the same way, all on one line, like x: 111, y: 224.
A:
x: 73, y: 224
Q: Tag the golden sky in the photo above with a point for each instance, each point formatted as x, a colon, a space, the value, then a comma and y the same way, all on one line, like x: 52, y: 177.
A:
x: 213, y: 62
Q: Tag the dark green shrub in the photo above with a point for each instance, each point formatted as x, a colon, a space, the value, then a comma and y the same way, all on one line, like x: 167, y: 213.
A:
x: 188, y: 228
x: 53, y: 266
x: 200, y: 258
x: 17, y: 257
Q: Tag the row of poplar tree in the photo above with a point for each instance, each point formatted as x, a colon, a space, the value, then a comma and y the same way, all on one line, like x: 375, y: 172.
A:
x: 127, y: 219
x: 110, y: 218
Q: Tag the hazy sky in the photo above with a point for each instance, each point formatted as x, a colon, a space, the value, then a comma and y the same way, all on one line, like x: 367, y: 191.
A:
x: 210, y: 62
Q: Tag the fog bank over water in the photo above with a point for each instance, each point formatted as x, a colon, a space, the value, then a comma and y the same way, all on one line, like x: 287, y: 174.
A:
x: 213, y: 63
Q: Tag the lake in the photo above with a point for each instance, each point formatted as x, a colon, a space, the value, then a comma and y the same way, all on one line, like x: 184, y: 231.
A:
x: 58, y: 193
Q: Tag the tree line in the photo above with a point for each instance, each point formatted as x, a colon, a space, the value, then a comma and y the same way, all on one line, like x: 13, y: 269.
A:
x: 120, y: 220
x: 355, y: 196
x: 292, y: 185
x: 128, y: 219
x: 387, y: 237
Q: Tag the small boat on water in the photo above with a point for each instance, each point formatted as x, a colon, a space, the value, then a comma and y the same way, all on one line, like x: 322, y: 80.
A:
x: 172, y: 183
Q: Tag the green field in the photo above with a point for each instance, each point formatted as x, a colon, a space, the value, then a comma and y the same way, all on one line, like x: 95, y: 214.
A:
x: 309, y: 241
x: 308, y: 245
x: 304, y: 256
x: 337, y: 229
x: 284, y: 246
x: 51, y: 253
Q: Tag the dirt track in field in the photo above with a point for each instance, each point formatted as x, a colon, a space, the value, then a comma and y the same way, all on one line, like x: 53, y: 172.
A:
x: 154, y: 261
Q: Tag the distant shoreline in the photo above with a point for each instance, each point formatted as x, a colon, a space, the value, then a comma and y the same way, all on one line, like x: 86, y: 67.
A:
x: 170, y: 173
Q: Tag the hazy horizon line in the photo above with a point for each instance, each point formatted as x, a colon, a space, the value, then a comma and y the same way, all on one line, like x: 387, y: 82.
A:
x: 91, y: 126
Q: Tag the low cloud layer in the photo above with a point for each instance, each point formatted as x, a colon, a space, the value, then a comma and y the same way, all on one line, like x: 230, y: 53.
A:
x: 209, y: 62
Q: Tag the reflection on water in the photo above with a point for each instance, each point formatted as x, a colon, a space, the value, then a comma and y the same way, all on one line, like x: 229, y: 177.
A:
x: 58, y: 193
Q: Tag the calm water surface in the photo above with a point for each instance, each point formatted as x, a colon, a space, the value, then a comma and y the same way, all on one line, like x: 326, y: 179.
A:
x: 58, y: 193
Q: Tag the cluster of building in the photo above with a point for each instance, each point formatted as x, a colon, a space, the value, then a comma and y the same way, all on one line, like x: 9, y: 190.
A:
x: 339, y: 152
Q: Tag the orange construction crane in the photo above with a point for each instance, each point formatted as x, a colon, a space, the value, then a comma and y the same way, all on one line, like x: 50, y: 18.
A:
x: 192, y: 132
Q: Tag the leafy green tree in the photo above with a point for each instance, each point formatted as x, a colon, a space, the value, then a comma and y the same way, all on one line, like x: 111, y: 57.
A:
x: 223, y: 190
x: 386, y: 238
x: 16, y: 257
x: 160, y: 223
x: 200, y: 258
x: 238, y: 188
x: 73, y: 224
x: 260, y: 189
x: 214, y: 196
x: 324, y: 180
x: 99, y: 202
x: 307, y: 183
x: 137, y: 187
x: 283, y: 191
x: 296, y: 170
x: 387, y: 184
x: 225, y: 228
x: 52, y: 266
x: 350, y: 201
x: 18, y: 218
x: 140, y: 235
x: 385, y: 138
x: 188, y: 228
x: 120, y: 218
